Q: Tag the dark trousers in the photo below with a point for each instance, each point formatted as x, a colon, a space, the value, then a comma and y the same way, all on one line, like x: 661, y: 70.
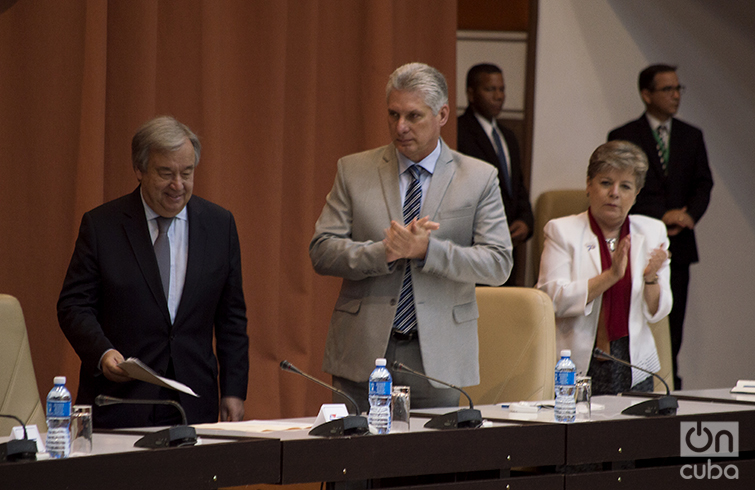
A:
x: 679, y: 287
x: 167, y: 415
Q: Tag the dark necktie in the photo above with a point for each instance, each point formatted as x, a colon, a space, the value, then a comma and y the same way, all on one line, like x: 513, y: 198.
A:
x: 502, y: 163
x: 162, y: 252
x: 661, y: 146
x: 406, y: 317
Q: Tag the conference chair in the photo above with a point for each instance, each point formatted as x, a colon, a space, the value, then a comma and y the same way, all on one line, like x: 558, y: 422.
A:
x: 517, y: 334
x: 550, y: 205
x: 18, y: 385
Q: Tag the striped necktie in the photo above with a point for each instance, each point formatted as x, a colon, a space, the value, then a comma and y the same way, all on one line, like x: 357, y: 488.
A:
x: 662, y: 147
x: 406, y: 316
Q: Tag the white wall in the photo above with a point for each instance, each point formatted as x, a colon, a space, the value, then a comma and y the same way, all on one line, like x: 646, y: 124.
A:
x: 589, y: 53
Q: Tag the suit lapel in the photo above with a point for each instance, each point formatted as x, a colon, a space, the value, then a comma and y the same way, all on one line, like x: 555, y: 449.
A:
x: 592, y: 247
x: 676, y: 144
x: 481, y: 138
x: 137, y: 231
x: 195, y: 260
x: 388, y: 171
x: 441, y: 179
x: 648, y: 141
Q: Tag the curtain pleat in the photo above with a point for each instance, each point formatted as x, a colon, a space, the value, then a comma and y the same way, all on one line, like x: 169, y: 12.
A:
x: 276, y: 91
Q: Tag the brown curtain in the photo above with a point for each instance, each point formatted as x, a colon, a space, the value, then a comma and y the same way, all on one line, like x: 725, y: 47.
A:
x: 277, y: 92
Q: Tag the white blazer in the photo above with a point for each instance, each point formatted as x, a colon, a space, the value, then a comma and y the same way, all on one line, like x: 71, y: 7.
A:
x: 571, y: 257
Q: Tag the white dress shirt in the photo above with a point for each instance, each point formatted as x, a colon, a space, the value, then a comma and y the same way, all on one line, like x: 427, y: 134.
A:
x: 178, y: 235
x: 489, y: 127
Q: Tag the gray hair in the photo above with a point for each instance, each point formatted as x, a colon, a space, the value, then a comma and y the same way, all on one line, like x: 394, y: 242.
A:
x: 422, y: 78
x: 619, y: 155
x: 162, y: 134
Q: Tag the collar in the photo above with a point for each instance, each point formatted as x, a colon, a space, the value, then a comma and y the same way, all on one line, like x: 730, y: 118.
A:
x: 487, y: 125
x: 655, y: 122
x: 428, y: 163
x: 151, y: 214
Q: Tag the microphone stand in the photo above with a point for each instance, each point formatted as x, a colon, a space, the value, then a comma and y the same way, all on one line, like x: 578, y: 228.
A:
x: 664, y: 405
x: 18, y: 449
x: 178, y: 435
x: 351, y: 425
x: 464, y: 418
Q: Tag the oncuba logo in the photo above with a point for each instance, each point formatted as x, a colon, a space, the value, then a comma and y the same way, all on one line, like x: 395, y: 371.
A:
x: 709, y: 439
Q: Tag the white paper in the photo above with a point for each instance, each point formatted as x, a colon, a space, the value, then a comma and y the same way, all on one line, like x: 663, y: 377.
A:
x: 524, y: 407
x: 744, y: 386
x: 255, y: 426
x: 138, y: 370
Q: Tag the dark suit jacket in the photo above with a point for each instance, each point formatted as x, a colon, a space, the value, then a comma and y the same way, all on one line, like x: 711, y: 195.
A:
x: 112, y: 297
x: 688, y: 183
x: 472, y: 141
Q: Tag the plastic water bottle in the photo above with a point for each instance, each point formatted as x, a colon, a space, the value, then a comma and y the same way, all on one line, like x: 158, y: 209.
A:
x: 381, y: 384
x: 565, y: 408
x: 59, y: 419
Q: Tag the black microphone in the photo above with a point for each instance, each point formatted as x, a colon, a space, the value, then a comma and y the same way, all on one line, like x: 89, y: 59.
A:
x: 18, y: 449
x: 464, y: 418
x: 287, y: 366
x: 665, y: 405
x: 178, y: 435
x: 351, y: 425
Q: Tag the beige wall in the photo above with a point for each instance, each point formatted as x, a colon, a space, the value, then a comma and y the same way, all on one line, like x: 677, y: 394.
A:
x: 589, y: 55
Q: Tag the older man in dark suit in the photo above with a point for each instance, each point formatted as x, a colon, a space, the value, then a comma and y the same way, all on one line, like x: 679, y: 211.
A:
x: 154, y: 274
x: 480, y: 136
x: 678, y: 183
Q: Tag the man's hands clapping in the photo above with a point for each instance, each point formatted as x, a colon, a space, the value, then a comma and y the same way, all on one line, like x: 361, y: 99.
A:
x: 410, y: 241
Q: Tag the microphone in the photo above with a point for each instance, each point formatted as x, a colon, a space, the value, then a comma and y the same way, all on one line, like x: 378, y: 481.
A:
x: 464, y: 418
x: 665, y: 405
x: 18, y: 449
x: 178, y: 435
x: 351, y: 425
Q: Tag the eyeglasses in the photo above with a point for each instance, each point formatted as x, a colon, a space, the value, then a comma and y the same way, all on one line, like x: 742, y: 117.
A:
x: 669, y: 90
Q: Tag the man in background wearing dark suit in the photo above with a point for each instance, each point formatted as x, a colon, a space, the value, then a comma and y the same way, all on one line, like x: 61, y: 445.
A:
x: 154, y: 275
x: 678, y: 183
x: 481, y: 137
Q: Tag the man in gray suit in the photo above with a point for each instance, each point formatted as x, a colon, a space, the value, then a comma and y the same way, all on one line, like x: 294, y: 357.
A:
x: 408, y: 291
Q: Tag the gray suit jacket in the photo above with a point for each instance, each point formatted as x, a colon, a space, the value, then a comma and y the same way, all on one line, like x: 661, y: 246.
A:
x: 472, y: 246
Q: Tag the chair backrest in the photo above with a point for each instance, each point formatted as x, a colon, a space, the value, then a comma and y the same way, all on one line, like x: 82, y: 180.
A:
x: 18, y: 385
x: 550, y: 205
x: 662, y: 337
x: 517, y: 333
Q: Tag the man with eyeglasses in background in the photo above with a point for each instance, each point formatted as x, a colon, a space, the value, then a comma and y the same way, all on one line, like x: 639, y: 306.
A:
x: 678, y: 183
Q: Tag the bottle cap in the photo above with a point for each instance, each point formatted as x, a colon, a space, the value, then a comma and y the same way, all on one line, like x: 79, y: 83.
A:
x: 380, y: 362
x: 59, y: 380
x: 566, y: 353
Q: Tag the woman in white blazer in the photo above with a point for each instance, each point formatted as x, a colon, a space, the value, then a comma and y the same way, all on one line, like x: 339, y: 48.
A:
x: 608, y: 274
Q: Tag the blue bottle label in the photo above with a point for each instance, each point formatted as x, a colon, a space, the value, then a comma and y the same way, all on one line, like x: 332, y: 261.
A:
x: 380, y: 388
x: 58, y: 409
x: 565, y: 378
